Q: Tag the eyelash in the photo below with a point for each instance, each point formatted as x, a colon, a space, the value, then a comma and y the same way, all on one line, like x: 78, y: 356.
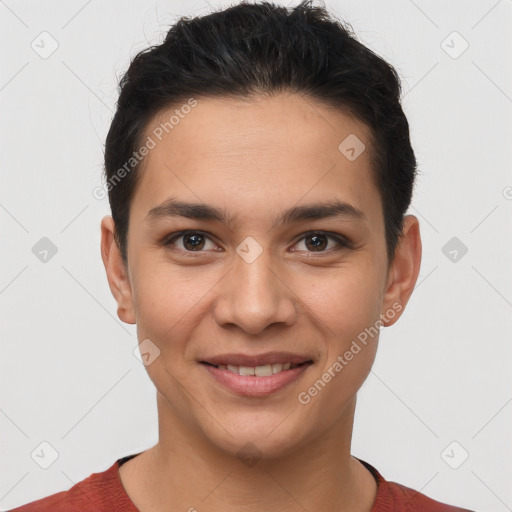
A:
x: 343, y: 242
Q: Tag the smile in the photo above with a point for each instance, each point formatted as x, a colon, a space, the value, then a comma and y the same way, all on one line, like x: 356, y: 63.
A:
x: 257, y: 381
x: 258, y: 371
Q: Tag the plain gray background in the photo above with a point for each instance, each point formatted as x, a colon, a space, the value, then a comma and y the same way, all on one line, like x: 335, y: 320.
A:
x: 440, y: 389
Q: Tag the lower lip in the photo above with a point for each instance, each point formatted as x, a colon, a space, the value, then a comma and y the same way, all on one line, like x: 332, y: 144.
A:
x: 250, y: 385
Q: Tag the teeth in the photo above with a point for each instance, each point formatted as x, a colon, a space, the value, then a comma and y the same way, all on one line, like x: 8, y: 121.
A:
x: 277, y: 367
x: 258, y: 371
x: 263, y: 371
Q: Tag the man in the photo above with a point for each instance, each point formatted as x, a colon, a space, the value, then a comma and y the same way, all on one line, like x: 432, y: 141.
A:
x: 259, y: 169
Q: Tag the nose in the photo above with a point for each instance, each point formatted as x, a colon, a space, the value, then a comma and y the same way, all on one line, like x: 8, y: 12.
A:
x: 254, y: 296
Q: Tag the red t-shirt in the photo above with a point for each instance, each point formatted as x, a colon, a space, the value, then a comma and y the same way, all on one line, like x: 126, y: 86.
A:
x: 104, y: 492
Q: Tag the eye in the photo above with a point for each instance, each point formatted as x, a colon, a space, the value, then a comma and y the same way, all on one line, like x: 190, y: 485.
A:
x: 196, y: 241
x: 192, y: 241
x: 318, y: 241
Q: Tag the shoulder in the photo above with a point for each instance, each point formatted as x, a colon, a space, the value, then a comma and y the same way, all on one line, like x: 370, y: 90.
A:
x: 394, y: 497
x: 99, y: 492
x: 57, y: 502
x: 404, y: 498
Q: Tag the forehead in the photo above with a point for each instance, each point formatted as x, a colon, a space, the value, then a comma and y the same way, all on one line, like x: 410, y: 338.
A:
x: 266, y: 151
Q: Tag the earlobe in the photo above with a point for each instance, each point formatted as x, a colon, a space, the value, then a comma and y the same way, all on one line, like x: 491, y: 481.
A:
x: 116, y: 270
x: 404, y: 271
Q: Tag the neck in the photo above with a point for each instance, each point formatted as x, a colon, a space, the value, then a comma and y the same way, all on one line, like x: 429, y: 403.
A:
x: 186, y: 470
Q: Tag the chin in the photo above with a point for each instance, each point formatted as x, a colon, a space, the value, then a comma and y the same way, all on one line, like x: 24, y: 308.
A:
x: 257, y: 438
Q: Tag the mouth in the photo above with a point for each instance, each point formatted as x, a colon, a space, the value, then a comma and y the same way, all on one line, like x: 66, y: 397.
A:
x: 257, y: 376
x: 259, y: 371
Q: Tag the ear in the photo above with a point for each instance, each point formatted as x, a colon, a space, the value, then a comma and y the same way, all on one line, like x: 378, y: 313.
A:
x: 403, y: 272
x: 117, y: 273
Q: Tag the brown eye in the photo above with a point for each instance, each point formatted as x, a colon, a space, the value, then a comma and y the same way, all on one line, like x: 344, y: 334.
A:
x: 319, y: 242
x: 191, y: 241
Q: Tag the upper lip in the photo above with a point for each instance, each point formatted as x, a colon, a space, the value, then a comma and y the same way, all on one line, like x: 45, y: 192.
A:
x: 258, y: 359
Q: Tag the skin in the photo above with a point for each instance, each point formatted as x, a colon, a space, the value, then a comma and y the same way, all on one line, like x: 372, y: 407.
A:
x: 256, y: 159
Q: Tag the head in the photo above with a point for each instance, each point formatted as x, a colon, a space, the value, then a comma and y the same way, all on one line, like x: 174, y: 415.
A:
x: 288, y: 136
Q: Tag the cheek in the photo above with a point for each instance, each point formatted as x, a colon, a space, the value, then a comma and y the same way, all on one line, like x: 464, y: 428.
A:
x: 335, y: 385
x: 345, y: 302
x: 168, y: 308
x: 168, y: 303
x: 347, y: 311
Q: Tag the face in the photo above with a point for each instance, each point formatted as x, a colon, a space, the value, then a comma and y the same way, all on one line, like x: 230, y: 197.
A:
x: 284, y: 252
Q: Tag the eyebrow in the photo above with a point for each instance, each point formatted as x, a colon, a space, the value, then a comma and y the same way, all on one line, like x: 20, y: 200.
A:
x: 199, y: 211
